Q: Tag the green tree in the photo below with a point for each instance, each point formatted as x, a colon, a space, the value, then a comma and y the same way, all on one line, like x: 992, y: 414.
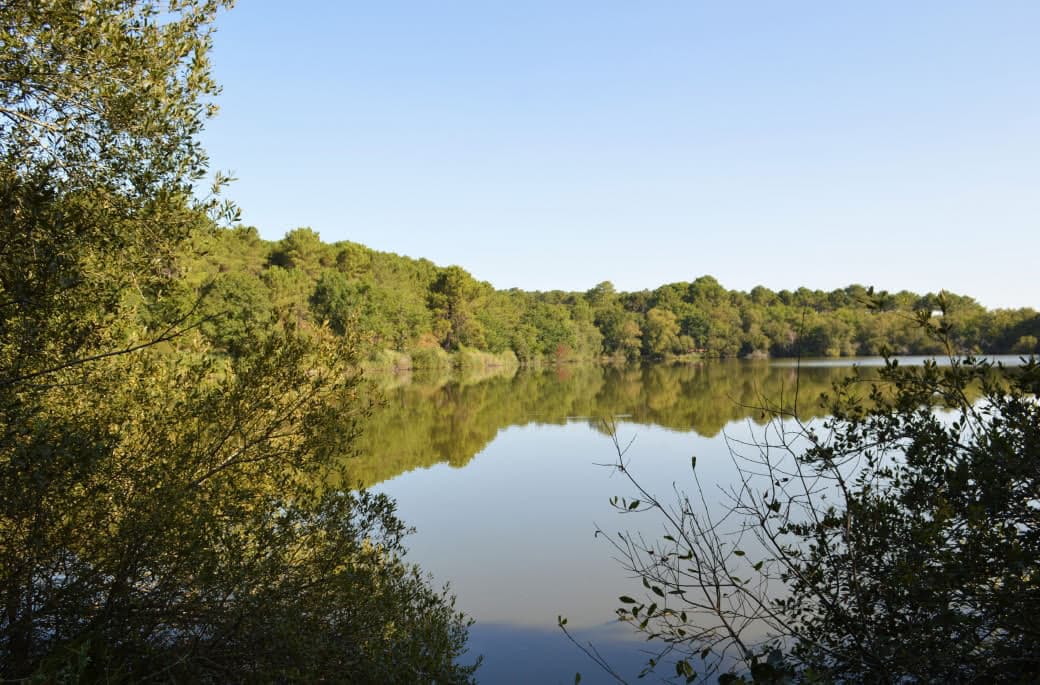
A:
x: 621, y: 332
x: 452, y: 300
x: 336, y: 300
x: 602, y: 295
x: 163, y: 513
x: 377, y: 315
x: 301, y: 248
x: 588, y: 339
x: 707, y: 292
x: 237, y: 311
x: 555, y: 334
x: 1027, y: 344
x: 662, y: 333
x: 499, y: 318
x: 290, y: 292
x: 353, y: 260
x: 763, y: 296
x: 99, y: 106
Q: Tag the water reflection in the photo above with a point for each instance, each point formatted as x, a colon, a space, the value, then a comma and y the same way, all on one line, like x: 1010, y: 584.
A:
x: 501, y: 480
x: 538, y: 655
x: 513, y: 533
x: 421, y: 425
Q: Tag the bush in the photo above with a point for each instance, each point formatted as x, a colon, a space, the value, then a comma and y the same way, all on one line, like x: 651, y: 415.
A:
x: 897, y: 542
x: 430, y: 359
x: 389, y: 361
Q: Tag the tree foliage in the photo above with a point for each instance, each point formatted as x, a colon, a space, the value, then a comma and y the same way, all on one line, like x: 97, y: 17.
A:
x: 899, y: 541
x: 163, y: 508
x: 409, y: 304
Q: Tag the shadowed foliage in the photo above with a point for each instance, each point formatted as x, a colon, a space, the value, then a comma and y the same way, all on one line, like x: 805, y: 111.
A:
x: 163, y: 508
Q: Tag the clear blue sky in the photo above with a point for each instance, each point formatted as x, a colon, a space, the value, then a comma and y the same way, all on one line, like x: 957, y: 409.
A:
x: 548, y: 145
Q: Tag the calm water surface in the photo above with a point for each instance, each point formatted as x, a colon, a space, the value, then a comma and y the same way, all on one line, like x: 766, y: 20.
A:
x: 504, y: 481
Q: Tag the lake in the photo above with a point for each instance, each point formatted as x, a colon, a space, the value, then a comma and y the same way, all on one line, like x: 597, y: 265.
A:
x: 506, y: 480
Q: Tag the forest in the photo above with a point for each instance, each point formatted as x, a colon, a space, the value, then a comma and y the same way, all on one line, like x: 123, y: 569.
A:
x: 411, y: 313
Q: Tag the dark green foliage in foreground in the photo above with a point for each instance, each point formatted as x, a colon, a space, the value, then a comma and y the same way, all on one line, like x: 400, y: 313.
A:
x: 900, y: 542
x: 163, y: 509
x: 932, y: 569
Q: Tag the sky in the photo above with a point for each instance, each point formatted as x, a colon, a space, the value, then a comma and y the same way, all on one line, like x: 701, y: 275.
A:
x: 555, y: 145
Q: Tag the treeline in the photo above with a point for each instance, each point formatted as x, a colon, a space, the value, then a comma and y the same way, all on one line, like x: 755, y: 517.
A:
x: 392, y: 305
